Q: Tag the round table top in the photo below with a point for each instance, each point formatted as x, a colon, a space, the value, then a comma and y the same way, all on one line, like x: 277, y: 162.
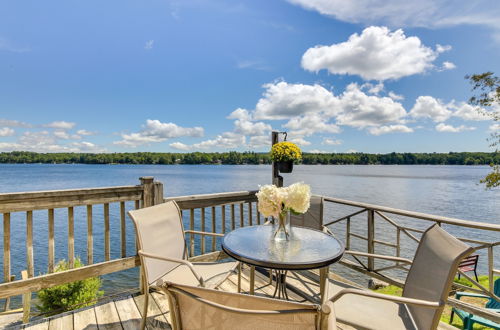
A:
x: 306, y: 248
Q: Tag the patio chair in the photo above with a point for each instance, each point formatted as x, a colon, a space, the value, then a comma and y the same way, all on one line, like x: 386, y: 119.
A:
x: 469, y: 264
x: 201, y: 308
x: 425, y: 291
x: 162, y: 250
x: 313, y: 218
x: 468, y: 318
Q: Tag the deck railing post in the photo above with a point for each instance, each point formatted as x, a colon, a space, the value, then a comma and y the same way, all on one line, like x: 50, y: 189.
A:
x: 147, y: 182
x: 277, y: 179
x: 490, y: 267
x: 371, y: 238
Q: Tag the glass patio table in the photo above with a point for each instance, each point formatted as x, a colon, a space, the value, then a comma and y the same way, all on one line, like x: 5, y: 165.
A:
x: 306, y: 249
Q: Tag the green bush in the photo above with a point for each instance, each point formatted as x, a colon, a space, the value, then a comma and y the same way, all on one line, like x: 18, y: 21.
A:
x: 68, y: 296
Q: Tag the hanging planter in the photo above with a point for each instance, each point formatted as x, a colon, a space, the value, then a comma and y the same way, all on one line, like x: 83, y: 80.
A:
x: 285, y: 154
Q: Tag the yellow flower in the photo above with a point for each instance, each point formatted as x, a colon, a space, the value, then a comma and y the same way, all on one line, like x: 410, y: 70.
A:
x: 285, y: 151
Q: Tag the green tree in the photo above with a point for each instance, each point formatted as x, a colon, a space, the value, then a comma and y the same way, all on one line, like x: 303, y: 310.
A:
x: 487, y: 87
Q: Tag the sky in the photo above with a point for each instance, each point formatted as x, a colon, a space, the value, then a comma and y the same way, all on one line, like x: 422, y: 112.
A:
x: 373, y: 76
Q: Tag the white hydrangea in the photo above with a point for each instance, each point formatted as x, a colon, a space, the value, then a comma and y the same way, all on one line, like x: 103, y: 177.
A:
x: 270, y: 200
x: 298, y: 197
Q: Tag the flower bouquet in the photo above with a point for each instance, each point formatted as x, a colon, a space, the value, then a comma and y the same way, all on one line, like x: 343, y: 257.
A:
x: 279, y: 202
x: 285, y: 153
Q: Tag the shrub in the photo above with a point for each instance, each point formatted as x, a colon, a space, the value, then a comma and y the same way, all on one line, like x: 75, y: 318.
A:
x: 68, y: 296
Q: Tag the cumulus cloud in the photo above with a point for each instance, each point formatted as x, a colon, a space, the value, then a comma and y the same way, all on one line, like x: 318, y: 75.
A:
x: 85, y: 146
x: 430, y: 107
x: 375, y: 54
x: 282, y: 100
x: 155, y: 131
x: 397, y: 13
x: 310, y: 124
x: 179, y: 146
x: 390, y: 129
x: 63, y: 125
x: 6, y: 131
x: 331, y: 142
x: 85, y: 132
x: 13, y: 123
x: 494, y: 128
x: 395, y: 97
x: 448, y: 66
x: 361, y: 110
x: 227, y: 140
x: 468, y: 112
x: 442, y: 127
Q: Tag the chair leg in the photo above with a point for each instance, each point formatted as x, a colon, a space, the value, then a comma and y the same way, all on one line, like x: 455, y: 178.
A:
x: 477, y: 280
x: 451, y: 316
x: 145, y: 307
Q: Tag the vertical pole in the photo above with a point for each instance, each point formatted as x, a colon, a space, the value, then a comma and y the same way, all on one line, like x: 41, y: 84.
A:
x: 490, y: 267
x: 29, y: 244
x: 148, y: 192
x: 348, y: 233
x: 71, y: 237
x: 90, y: 237
x: 51, y: 252
x: 26, y: 300
x: 371, y: 238
x: 276, y: 179
x: 6, y: 253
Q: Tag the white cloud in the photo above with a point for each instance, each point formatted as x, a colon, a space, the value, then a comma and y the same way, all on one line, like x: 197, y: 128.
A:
x: 88, y: 147
x: 397, y: 13
x: 240, y: 113
x: 155, y: 131
x: 317, y: 151
x: 442, y: 49
x: 310, y: 124
x: 246, y: 127
x: 448, y: 66
x: 63, y: 125
x: 227, y: 140
x: 373, y: 88
x: 331, y: 142
x: 179, y: 146
x: 494, y: 128
x: 351, y: 151
x: 259, y: 141
x: 390, y: 129
x: 375, y: 54
x: 442, y: 127
x: 13, y: 123
x: 300, y: 141
x: 85, y: 132
x: 430, y: 107
x: 468, y: 112
x: 253, y: 64
x: 283, y: 100
x: 395, y: 97
x: 149, y: 44
x: 6, y: 131
x: 361, y: 110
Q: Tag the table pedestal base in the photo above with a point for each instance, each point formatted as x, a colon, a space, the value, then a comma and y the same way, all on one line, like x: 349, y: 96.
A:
x: 280, y: 290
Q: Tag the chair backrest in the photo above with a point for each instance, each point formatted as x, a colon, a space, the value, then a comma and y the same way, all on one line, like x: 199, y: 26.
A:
x: 313, y: 218
x: 492, y: 303
x: 159, y: 231
x: 432, y: 272
x: 469, y: 263
x: 201, y: 308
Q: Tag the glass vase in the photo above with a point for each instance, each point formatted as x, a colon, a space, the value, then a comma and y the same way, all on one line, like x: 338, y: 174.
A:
x: 282, y: 227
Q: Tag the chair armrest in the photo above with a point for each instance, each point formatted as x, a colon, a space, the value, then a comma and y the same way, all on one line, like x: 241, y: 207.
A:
x: 403, y: 300
x: 459, y: 295
x: 202, y: 233
x: 180, y: 261
x: 378, y: 256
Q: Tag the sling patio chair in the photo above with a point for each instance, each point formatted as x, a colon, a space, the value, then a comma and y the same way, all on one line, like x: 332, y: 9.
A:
x: 163, y: 252
x: 201, y: 308
x: 425, y: 291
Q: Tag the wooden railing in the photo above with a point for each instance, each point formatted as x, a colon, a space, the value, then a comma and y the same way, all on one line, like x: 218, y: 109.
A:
x: 146, y: 194
x: 221, y: 213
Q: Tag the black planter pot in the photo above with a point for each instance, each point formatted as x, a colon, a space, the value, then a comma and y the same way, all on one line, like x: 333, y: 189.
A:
x: 285, y: 167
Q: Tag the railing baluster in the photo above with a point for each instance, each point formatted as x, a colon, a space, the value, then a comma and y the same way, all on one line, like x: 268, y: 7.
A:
x: 371, y: 238
x: 191, y: 227
x: 250, y: 221
x: 223, y: 213
x: 348, y: 233
x: 232, y: 217
x: 490, y: 267
x: 202, y: 229
x: 6, y: 247
x: 123, y: 229
x: 214, y: 242
x: 107, y: 242
x: 29, y: 243
x: 71, y: 237
x: 137, y: 204
x: 398, y: 242
x: 242, y: 220
x: 90, y: 237
x: 51, y: 252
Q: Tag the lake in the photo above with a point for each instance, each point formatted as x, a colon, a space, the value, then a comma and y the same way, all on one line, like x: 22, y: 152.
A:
x: 451, y: 191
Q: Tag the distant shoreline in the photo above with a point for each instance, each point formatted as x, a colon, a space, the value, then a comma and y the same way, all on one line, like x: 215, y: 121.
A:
x: 249, y: 158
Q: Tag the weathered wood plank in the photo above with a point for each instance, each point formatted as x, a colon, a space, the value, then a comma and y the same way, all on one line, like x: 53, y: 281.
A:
x: 163, y: 305
x: 107, y: 241
x: 51, y: 252
x: 28, y: 201
x: 147, y: 183
x: 232, y: 217
x: 223, y: 214
x: 71, y: 237
x: 191, y: 237
x: 85, y: 319
x: 6, y: 247
x: 128, y: 312
x: 155, y: 319
x: 214, y: 239
x: 90, y: 237
x: 250, y: 219
x: 210, y: 257
x: 26, y: 300
x: 242, y: 219
x: 123, y: 230
x: 208, y: 200
x: 29, y: 243
x: 45, y: 281
x: 107, y: 316
x: 40, y: 325
x: 202, y: 229
x: 61, y: 322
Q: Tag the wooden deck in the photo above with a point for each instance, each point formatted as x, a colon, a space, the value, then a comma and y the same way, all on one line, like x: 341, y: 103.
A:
x: 124, y: 312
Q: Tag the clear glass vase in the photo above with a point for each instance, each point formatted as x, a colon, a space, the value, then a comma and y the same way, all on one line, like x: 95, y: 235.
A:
x: 282, y: 228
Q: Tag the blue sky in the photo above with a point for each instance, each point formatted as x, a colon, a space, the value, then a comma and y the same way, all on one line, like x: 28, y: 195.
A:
x: 124, y: 76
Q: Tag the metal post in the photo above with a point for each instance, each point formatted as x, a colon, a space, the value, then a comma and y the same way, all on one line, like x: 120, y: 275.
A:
x: 371, y: 238
x: 277, y: 179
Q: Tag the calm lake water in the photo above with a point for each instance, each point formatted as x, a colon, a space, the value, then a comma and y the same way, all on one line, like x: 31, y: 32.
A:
x: 451, y: 191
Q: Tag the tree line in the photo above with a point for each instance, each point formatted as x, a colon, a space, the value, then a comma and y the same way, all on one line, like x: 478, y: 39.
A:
x: 238, y: 158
